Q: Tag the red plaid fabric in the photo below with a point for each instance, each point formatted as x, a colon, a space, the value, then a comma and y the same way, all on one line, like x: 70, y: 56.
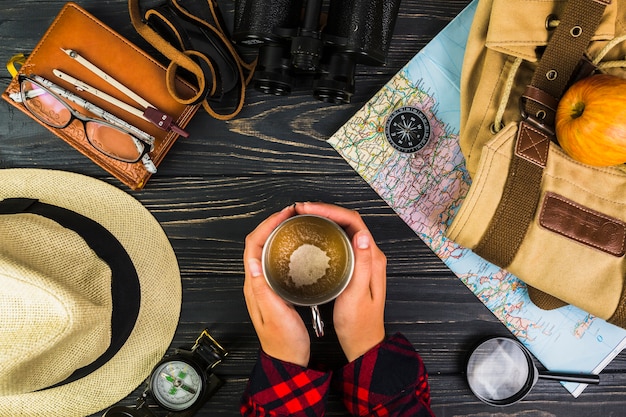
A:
x: 389, y: 380
x: 278, y: 388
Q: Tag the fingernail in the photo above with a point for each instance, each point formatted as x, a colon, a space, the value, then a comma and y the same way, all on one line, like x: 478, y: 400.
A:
x: 255, y: 268
x: 363, y: 241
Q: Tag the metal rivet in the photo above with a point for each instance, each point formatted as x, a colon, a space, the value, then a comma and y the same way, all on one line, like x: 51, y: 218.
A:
x: 495, y: 128
x: 541, y: 114
x: 552, y: 21
x: 576, y: 31
x: 551, y: 75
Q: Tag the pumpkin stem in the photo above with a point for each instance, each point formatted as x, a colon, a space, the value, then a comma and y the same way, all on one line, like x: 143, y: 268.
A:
x: 577, y: 110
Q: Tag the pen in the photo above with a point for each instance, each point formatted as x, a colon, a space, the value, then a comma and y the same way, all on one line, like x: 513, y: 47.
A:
x: 151, y: 113
x: 83, y: 86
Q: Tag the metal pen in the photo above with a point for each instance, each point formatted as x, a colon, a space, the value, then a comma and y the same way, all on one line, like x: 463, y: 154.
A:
x: 83, y: 86
x: 151, y: 113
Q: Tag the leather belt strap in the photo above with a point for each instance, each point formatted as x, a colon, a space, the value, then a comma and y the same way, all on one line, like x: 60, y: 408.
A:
x: 564, y: 53
x: 202, y: 67
x: 173, y: 54
x: 522, y: 190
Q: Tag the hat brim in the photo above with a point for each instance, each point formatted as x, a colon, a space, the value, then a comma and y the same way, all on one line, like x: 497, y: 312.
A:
x: 157, y: 268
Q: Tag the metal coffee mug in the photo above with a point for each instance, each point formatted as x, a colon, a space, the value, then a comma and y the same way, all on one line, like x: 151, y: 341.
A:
x: 308, y: 260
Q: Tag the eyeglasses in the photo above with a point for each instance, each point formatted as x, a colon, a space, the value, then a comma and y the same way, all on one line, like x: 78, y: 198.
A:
x: 110, y: 135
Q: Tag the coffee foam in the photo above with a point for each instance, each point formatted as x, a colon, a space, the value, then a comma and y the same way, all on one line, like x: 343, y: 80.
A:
x: 294, y: 271
x: 307, y: 265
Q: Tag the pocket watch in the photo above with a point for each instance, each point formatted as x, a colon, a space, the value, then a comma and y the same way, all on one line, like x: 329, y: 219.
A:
x: 180, y: 383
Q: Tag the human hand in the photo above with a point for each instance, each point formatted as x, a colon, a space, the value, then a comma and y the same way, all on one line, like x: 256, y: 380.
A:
x: 278, y: 325
x: 360, y: 309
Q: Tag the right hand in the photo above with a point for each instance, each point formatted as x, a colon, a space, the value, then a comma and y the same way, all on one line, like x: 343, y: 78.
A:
x: 360, y: 309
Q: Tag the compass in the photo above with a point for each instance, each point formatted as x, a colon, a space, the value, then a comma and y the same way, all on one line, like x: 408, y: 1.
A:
x: 176, y: 384
x: 407, y: 129
x: 180, y: 384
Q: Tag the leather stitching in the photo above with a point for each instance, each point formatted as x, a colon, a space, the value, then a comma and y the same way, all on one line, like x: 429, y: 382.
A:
x: 615, y: 250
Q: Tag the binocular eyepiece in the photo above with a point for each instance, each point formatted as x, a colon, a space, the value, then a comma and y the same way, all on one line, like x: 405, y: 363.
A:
x: 302, y: 38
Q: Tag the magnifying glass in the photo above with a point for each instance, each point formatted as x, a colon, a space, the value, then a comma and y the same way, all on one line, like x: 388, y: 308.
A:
x: 501, y: 371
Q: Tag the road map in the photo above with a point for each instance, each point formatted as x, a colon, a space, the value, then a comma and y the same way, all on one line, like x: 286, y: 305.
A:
x: 427, y: 187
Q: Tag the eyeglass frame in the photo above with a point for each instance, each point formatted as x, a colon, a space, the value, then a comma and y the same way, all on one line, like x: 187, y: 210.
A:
x: 147, y: 141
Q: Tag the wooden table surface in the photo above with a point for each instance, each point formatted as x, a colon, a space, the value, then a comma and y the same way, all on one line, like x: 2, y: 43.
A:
x: 217, y: 185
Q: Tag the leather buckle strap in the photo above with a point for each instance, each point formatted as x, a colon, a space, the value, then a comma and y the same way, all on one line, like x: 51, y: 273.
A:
x: 535, y: 94
x: 522, y: 190
x: 563, y: 55
x: 546, y: 102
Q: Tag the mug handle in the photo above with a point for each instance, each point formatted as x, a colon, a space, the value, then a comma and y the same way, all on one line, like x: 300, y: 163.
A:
x: 318, y: 324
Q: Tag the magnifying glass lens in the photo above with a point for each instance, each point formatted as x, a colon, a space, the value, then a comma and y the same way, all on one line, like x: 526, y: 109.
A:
x: 498, y: 371
x: 501, y: 371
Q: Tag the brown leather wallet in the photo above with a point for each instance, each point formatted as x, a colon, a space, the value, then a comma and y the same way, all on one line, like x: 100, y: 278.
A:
x: 74, y: 28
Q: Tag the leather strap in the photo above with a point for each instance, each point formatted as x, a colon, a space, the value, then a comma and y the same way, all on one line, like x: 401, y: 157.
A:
x: 522, y: 190
x: 564, y: 53
x: 174, y: 55
x: 201, y: 66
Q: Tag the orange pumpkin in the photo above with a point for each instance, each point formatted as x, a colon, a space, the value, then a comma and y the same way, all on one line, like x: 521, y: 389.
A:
x: 591, y: 120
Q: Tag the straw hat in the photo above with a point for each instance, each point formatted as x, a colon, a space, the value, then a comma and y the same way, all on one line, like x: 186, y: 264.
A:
x: 90, y: 293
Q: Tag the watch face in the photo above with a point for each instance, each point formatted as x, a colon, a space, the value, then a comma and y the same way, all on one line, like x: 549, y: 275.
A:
x: 407, y: 129
x: 176, y: 384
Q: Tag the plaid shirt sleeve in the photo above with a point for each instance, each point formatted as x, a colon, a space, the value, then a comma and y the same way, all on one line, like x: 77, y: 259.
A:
x: 389, y: 380
x: 278, y: 388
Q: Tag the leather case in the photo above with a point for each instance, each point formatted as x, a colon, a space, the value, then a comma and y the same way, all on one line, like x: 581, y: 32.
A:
x: 74, y: 28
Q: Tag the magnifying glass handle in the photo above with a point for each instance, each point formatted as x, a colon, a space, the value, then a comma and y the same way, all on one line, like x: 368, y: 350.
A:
x: 565, y: 377
x: 318, y: 324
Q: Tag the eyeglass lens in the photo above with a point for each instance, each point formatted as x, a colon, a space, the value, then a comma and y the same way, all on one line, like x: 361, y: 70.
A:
x: 108, y: 139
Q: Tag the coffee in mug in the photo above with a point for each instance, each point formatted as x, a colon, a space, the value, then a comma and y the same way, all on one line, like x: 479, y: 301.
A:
x: 308, y: 260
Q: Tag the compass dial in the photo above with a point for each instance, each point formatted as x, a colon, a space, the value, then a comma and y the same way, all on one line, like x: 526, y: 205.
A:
x: 407, y: 129
x: 176, y: 385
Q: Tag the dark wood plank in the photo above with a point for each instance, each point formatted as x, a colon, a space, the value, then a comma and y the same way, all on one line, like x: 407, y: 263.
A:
x: 215, y: 187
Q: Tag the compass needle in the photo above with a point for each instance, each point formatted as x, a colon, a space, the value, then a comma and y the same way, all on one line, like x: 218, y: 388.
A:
x: 167, y: 377
x: 187, y: 388
x: 180, y: 383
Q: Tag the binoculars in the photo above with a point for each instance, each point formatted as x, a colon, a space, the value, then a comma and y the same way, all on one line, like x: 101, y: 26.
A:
x: 312, y: 38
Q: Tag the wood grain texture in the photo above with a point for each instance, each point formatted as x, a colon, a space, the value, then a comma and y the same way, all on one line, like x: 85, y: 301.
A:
x: 217, y: 185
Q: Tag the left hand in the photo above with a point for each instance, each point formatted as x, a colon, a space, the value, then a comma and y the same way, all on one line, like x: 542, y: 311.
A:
x: 278, y: 325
